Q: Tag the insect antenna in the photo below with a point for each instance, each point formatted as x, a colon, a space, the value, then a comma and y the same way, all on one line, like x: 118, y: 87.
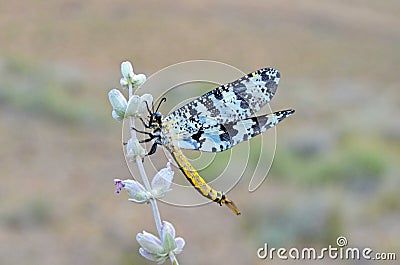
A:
x: 148, y: 108
x: 152, y: 107
x: 159, y: 104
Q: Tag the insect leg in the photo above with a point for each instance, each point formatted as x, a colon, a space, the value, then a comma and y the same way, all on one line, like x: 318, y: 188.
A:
x: 144, y: 123
x: 152, y: 150
x: 147, y: 133
x: 146, y: 140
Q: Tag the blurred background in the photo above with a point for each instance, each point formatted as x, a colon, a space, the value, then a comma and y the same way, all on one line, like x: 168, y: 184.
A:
x: 336, y: 170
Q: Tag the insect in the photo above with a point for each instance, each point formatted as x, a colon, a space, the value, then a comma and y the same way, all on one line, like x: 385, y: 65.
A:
x: 215, y: 122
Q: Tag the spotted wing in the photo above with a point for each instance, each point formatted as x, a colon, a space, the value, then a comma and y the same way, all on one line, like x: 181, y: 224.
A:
x: 225, y: 104
x: 223, y: 136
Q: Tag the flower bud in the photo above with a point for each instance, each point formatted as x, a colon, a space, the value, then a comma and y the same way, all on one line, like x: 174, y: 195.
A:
x: 138, y: 80
x: 116, y: 116
x: 127, y: 70
x: 133, y: 150
x: 161, y: 182
x: 170, y: 243
x: 180, y: 243
x: 133, y: 106
x: 124, y: 83
x: 153, y: 257
x: 137, y: 105
x: 154, y: 249
x: 129, y: 77
x: 119, y: 104
x: 150, y: 243
x: 167, y: 228
x: 136, y: 191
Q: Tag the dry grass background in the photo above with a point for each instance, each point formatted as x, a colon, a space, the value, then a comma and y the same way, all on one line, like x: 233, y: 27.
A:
x: 336, y: 170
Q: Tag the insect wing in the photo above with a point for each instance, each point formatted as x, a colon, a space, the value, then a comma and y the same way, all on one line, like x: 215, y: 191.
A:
x: 223, y: 136
x: 225, y: 104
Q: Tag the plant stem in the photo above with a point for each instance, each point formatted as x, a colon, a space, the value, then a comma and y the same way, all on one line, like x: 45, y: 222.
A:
x: 139, y: 163
x: 173, y: 259
x: 153, y: 202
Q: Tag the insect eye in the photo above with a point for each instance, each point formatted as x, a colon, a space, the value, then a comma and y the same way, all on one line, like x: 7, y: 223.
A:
x: 153, y: 117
